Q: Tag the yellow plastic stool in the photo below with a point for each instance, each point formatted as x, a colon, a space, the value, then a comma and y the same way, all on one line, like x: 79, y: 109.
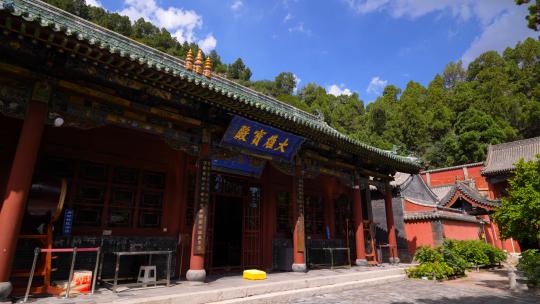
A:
x: 254, y: 274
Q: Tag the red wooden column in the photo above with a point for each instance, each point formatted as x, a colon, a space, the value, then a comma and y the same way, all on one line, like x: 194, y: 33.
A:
x: 18, y: 185
x: 392, y: 240
x: 299, y: 245
x: 196, y: 270
x: 359, y: 225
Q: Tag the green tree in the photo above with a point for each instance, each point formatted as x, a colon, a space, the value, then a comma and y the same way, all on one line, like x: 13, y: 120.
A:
x: 453, y: 74
x: 414, y: 116
x: 76, y: 7
x: 311, y: 92
x: 285, y: 82
x: 533, y: 19
x: 294, y: 101
x: 238, y: 70
x: 519, y: 215
x: 474, y: 130
x: 438, y: 115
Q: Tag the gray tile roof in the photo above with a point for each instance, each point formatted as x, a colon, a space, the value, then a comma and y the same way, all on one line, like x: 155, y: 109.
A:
x: 501, y: 158
x: 469, y: 192
x: 442, y: 191
x: 439, y: 214
x: 416, y: 190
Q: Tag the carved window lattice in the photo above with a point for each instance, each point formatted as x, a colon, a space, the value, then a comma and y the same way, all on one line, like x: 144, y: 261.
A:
x: 314, y: 216
x: 115, y: 196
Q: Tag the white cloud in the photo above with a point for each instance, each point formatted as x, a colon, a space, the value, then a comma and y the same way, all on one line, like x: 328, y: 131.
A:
x: 298, y: 80
x: 299, y: 28
x: 502, y: 22
x: 337, y: 90
x: 237, y: 5
x: 376, y: 85
x: 367, y: 6
x: 287, y: 3
x: 503, y: 32
x: 180, y: 22
x: 484, y: 10
x: 95, y: 3
x: 288, y: 17
x: 207, y: 44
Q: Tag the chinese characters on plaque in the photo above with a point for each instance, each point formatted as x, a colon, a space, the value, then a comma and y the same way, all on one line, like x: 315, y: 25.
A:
x: 201, y: 219
x: 261, y: 138
x: 68, y: 221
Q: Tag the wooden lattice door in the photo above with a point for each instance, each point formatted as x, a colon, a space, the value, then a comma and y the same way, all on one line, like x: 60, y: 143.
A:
x: 251, y: 243
x: 344, y: 221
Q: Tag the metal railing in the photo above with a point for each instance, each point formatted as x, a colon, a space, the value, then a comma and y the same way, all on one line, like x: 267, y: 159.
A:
x: 75, y: 250
x: 331, y: 251
x: 120, y: 254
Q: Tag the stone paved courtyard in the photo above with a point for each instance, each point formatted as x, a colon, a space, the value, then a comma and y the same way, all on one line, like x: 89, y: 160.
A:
x: 478, y: 287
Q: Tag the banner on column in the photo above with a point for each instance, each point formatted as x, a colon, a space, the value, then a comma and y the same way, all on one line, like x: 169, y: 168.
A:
x: 203, y: 198
x: 262, y: 139
x: 300, y: 226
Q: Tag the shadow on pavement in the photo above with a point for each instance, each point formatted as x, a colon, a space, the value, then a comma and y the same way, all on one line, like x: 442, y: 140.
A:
x: 493, y: 299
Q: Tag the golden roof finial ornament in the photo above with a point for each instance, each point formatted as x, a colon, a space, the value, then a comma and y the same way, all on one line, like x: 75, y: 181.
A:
x: 189, y: 60
x: 198, y: 66
x: 208, y: 68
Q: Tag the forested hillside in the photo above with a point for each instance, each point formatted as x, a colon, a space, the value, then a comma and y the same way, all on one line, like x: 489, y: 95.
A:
x: 451, y: 121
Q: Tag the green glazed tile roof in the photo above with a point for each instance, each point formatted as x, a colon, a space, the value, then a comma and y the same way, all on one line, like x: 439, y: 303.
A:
x: 83, y: 30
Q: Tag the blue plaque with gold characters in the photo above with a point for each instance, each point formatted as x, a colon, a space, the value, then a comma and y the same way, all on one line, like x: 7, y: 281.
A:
x: 261, y: 139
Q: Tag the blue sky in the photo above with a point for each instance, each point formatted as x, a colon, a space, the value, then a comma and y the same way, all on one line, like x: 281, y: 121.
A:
x: 343, y: 45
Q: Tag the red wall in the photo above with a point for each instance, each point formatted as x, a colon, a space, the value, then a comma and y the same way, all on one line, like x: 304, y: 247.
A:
x: 441, y: 178
x: 449, y: 177
x: 419, y: 233
x: 458, y: 230
x: 411, y: 207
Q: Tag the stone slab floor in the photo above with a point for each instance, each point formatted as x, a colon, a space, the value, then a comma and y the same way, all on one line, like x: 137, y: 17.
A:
x: 489, y: 287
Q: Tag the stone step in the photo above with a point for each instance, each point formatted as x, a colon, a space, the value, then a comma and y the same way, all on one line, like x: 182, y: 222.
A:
x: 286, y: 296
x: 282, y: 289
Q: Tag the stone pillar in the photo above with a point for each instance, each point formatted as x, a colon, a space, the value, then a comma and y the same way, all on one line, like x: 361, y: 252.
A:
x: 196, y: 272
x: 299, y: 238
x: 359, y: 225
x: 392, y: 240
x: 18, y: 185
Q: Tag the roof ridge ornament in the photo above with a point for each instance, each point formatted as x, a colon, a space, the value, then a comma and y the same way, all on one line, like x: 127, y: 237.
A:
x: 207, y: 72
x: 198, y: 66
x: 189, y: 60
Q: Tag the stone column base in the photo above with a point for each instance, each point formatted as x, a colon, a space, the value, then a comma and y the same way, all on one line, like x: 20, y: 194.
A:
x: 196, y: 275
x: 361, y: 262
x: 393, y: 260
x: 5, y: 290
x: 299, y: 267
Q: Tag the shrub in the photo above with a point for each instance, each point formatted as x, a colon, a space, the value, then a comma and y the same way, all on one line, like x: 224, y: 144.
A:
x: 495, y: 255
x: 427, y: 255
x: 432, y: 270
x: 530, y: 265
x: 474, y: 252
x: 454, y: 257
x: 453, y: 260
